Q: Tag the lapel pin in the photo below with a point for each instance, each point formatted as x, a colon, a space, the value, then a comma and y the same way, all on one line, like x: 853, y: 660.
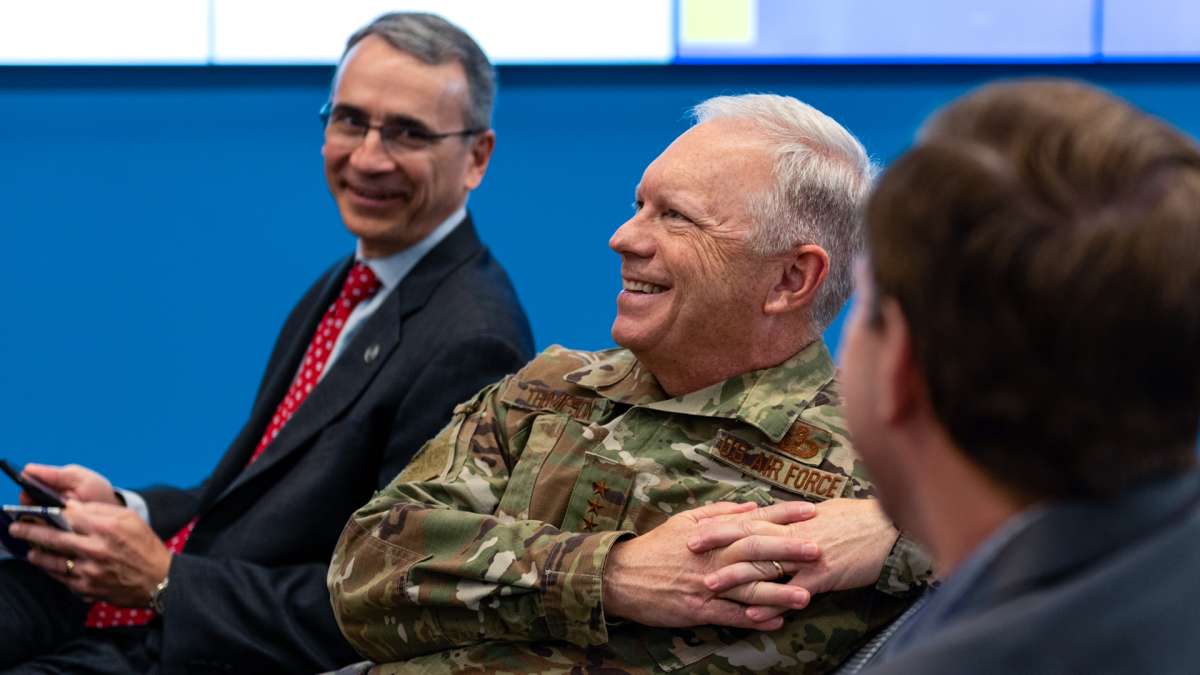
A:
x: 371, y: 354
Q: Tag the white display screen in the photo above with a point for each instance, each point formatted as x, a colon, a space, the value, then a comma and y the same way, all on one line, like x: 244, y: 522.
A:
x: 250, y: 32
x: 510, y: 31
x: 86, y: 32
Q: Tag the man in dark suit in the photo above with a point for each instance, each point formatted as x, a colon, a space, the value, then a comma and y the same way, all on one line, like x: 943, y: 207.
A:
x: 1022, y: 378
x: 367, y: 367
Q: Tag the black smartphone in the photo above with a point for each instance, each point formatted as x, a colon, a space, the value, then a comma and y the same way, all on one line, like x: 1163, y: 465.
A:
x: 39, y: 492
x: 51, y: 516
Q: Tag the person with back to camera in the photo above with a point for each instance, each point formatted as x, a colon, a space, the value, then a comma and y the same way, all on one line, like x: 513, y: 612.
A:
x: 1022, y: 378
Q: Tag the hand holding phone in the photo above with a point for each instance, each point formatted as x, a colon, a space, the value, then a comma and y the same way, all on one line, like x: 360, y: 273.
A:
x: 39, y: 492
x: 51, y: 516
x: 41, y: 515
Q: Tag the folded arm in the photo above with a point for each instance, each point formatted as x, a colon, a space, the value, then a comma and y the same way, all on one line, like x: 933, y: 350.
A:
x: 424, y: 566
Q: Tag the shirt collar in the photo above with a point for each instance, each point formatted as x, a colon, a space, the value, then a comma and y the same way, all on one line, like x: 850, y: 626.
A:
x: 770, y: 399
x: 392, y: 269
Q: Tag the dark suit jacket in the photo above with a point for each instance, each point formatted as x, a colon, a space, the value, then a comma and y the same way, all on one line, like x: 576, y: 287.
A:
x: 248, y: 594
x: 1095, y: 588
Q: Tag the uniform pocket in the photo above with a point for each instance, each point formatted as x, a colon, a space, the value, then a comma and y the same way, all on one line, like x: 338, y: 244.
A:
x: 642, y: 516
x: 518, y: 497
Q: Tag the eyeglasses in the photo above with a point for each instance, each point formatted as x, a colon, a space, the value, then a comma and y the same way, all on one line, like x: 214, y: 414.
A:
x: 346, y: 128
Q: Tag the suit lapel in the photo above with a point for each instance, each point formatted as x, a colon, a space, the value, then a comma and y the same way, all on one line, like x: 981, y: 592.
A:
x: 362, y: 357
x: 282, y: 370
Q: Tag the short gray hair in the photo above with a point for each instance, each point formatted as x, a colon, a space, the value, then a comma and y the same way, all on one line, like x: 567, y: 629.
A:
x: 431, y: 39
x: 822, y: 179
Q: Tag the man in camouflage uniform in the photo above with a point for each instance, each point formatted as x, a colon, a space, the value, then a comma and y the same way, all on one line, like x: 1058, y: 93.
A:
x: 593, y: 511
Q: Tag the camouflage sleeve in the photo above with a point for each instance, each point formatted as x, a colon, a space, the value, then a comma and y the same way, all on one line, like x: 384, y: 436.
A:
x: 425, y: 566
x: 907, y: 570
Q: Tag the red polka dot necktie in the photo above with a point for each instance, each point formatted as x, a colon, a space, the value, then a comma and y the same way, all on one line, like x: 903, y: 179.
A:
x: 360, y: 285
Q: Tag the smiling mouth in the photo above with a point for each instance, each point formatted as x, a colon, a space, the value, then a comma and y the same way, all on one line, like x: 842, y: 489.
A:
x: 374, y: 195
x: 641, y: 287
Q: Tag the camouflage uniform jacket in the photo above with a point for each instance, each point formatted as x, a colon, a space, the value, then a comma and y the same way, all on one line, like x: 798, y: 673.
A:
x: 494, y: 561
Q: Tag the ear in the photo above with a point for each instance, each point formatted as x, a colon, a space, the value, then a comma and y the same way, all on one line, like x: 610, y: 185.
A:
x: 901, y: 384
x: 480, y: 153
x: 804, y: 270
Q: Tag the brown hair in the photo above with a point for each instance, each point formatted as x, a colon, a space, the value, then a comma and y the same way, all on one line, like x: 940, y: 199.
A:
x: 1043, y: 241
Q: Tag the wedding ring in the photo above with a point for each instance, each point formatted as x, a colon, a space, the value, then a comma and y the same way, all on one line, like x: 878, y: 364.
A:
x: 70, y: 567
x: 778, y: 568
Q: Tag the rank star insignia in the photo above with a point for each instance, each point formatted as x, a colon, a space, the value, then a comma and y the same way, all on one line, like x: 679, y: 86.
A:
x: 589, y: 524
x: 599, y: 487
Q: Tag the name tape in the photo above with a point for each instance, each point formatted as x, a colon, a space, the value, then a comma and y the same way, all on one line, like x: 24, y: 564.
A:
x: 577, y: 407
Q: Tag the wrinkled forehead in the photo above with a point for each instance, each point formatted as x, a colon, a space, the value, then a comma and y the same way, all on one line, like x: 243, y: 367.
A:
x: 722, y: 162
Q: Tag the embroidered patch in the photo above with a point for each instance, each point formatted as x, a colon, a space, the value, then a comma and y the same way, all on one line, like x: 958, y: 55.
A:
x: 779, y: 470
x: 542, y: 398
x: 806, y: 443
x: 599, y: 497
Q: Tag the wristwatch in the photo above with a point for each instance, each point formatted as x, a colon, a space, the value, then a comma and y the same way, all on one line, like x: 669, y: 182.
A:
x: 158, y: 596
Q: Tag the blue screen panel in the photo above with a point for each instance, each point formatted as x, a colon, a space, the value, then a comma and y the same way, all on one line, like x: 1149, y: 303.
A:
x: 885, y: 30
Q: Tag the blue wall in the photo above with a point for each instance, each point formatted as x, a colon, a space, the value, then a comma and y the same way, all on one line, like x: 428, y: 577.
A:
x: 156, y: 224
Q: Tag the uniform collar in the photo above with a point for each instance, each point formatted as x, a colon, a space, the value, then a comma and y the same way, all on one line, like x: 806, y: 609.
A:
x: 618, y: 376
x: 769, y: 399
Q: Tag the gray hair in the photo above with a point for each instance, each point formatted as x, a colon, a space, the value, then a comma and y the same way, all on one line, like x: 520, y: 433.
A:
x: 433, y: 40
x: 822, y: 179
